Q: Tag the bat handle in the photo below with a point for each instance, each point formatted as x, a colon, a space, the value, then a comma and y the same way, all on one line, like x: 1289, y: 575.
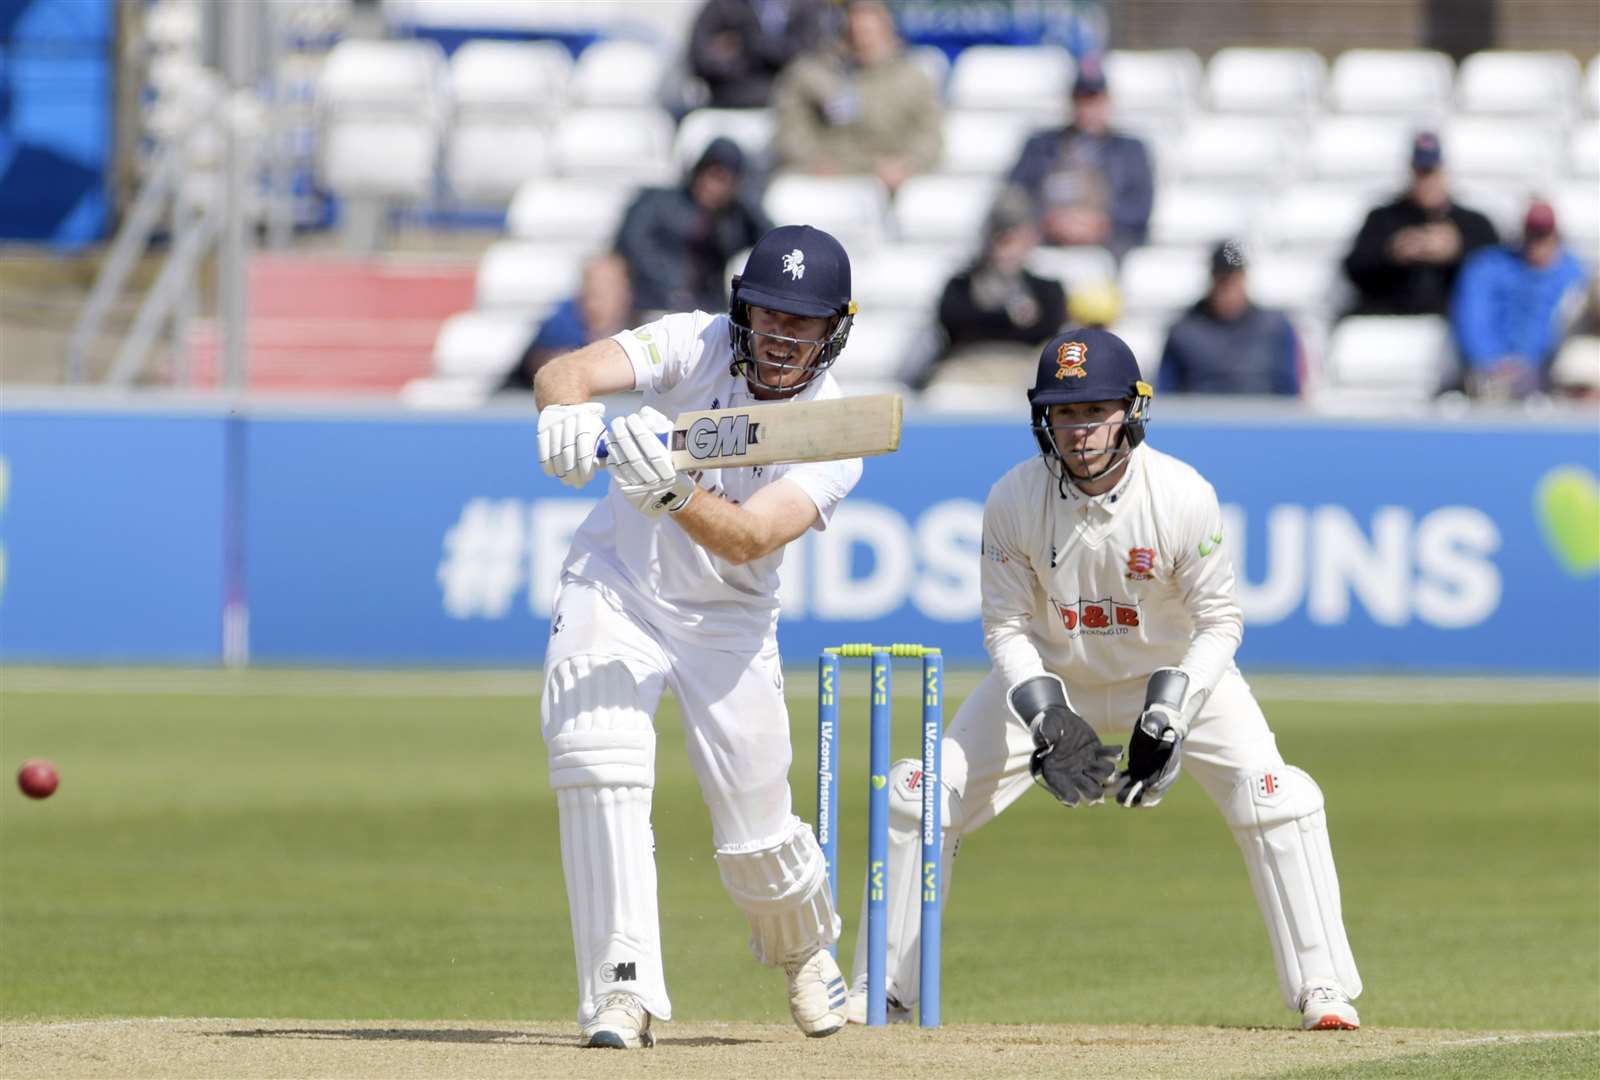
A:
x: 602, y: 451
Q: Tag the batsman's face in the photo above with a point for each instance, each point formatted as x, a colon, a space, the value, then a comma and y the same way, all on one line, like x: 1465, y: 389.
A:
x: 784, y: 344
x: 1086, y: 433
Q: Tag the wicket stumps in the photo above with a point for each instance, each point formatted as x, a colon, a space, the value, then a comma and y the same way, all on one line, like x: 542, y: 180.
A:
x: 881, y: 715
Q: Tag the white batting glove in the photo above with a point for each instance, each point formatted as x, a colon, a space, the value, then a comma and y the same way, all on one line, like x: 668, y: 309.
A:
x: 642, y: 465
x: 567, y: 437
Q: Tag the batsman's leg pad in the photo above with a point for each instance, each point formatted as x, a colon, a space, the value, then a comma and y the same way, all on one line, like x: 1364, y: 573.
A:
x: 904, y: 896
x: 781, y: 885
x: 602, y: 767
x: 1278, y: 821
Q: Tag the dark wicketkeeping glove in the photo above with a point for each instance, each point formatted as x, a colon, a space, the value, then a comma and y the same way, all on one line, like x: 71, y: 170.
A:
x: 1069, y: 760
x: 1154, y: 756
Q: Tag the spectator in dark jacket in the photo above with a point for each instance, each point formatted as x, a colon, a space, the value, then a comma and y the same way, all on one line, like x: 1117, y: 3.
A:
x: 602, y: 307
x: 1512, y: 306
x: 995, y: 301
x: 1090, y: 185
x: 737, y: 47
x: 1409, y: 251
x: 1227, y: 345
x: 677, y: 241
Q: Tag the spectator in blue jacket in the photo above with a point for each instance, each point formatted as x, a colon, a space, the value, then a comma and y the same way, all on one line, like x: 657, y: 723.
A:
x: 1090, y: 185
x: 1227, y: 345
x: 1510, y: 307
x: 603, y: 306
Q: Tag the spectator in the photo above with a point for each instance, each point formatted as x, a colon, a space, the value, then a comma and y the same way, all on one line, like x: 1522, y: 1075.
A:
x: 1227, y: 345
x: 995, y: 299
x: 1409, y: 251
x: 863, y: 108
x: 738, y: 47
x: 1090, y: 185
x: 1509, y: 307
x: 677, y: 241
x: 602, y: 307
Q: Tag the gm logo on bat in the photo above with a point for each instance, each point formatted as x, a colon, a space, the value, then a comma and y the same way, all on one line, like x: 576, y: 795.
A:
x: 728, y: 436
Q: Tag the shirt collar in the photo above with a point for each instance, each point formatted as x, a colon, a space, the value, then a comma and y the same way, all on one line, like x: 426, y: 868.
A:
x: 1108, y: 502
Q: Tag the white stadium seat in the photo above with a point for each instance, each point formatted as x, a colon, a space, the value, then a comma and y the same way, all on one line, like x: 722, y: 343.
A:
x: 392, y: 76
x: 985, y: 143
x: 1148, y: 340
x: 1583, y: 151
x: 1577, y: 209
x: 881, y: 347
x: 1412, y: 83
x: 1014, y: 78
x: 1319, y: 217
x: 852, y: 208
x: 1164, y: 82
x: 904, y: 278
x: 1195, y: 215
x: 489, y: 159
x: 520, y: 76
x: 379, y: 157
x: 481, y: 344
x: 1281, y: 81
x: 933, y: 62
x: 1502, y: 149
x: 751, y: 129
x: 944, y: 208
x: 1297, y: 282
x: 1591, y: 86
x: 381, y: 107
x: 1506, y: 81
x: 1374, y: 150
x: 1504, y: 203
x: 1163, y: 281
x: 1408, y: 356
x: 1231, y: 149
x: 618, y: 74
x: 571, y: 211
x: 620, y: 144
x: 527, y: 278
x: 1073, y: 265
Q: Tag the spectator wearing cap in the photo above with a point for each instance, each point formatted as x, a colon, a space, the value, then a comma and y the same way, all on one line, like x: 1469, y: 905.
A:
x: 862, y: 107
x: 1090, y: 185
x: 1511, y: 307
x: 1227, y: 345
x: 677, y: 241
x: 738, y: 47
x: 995, y: 300
x: 1406, y: 257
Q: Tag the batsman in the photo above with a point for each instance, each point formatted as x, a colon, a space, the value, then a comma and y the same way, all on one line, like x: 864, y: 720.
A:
x: 1109, y: 612
x: 672, y: 582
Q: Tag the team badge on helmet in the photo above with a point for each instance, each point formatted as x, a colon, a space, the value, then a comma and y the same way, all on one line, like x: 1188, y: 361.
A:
x: 794, y: 264
x: 1070, y: 359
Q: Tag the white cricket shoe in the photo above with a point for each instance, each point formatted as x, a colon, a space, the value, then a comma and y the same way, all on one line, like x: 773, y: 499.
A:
x: 816, y: 994
x: 1326, y: 1007
x: 855, y: 1009
x: 622, y: 1023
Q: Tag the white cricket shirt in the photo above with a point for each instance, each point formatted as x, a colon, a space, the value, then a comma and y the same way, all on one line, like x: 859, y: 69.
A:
x: 1105, y: 589
x: 681, y: 361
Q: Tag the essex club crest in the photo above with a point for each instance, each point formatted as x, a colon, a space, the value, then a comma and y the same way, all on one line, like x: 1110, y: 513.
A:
x: 1070, y: 359
x: 1141, y: 561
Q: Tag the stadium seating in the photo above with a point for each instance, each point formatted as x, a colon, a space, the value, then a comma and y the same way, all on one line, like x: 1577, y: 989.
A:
x: 1583, y: 152
x: 943, y: 208
x: 527, y: 278
x: 1503, y: 149
x: 1073, y: 265
x: 481, y: 345
x: 1408, y: 83
x: 568, y: 210
x: 853, y: 208
x: 1147, y: 337
x: 1298, y: 282
x: 1161, y: 281
x: 1577, y: 206
x: 1198, y: 215
x: 1508, y: 82
x: 1285, y: 82
x: 620, y: 144
x: 381, y: 108
x: 1405, y: 356
x: 1242, y: 150
x: 1369, y: 150
x: 1027, y: 79
x: 880, y: 349
x: 1591, y: 86
x: 978, y: 143
x: 1321, y: 218
x: 904, y: 278
x: 618, y: 74
x: 1153, y: 82
x: 751, y: 129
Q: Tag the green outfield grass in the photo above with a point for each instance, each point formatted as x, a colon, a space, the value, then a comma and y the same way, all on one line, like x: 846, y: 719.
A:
x: 265, y: 849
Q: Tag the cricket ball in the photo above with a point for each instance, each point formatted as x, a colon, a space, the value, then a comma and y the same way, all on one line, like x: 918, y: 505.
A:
x: 37, y: 778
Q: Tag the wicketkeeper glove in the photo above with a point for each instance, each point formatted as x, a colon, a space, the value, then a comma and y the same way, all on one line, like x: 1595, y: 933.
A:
x: 1069, y: 760
x: 642, y: 465
x: 1154, y: 749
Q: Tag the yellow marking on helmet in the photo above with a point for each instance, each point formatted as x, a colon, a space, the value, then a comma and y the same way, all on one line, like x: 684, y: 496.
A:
x: 1144, y: 389
x: 851, y: 310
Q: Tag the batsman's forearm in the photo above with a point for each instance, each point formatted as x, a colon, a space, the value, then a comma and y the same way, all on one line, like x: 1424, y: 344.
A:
x: 728, y: 531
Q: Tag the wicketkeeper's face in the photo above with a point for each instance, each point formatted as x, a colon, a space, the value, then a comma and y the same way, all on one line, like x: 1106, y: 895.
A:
x: 785, y: 345
x: 1086, y: 433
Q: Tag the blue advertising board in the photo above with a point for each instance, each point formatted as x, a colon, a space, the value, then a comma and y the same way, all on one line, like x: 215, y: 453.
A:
x: 399, y: 538
x: 112, y: 536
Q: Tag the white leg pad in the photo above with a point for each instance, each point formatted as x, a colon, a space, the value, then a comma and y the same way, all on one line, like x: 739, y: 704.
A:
x: 1278, y: 821
x: 602, y: 767
x: 902, y: 972
x: 782, y: 887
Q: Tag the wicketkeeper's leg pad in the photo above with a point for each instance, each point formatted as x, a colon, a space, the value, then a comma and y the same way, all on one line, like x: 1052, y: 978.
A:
x: 903, y: 898
x: 602, y: 766
x: 1278, y: 821
x: 781, y: 884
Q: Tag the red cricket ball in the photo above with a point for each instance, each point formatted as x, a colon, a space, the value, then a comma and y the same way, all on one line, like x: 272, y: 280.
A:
x: 37, y: 778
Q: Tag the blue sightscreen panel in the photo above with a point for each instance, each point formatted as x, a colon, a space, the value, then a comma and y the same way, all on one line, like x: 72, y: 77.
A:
x: 111, y: 528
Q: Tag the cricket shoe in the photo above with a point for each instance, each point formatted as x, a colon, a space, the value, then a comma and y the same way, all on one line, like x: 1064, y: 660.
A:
x: 855, y: 1009
x: 1326, y: 1007
x: 622, y: 1023
x: 816, y: 994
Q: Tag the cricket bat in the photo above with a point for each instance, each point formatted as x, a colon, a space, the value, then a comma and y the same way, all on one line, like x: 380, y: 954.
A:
x: 782, y: 433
